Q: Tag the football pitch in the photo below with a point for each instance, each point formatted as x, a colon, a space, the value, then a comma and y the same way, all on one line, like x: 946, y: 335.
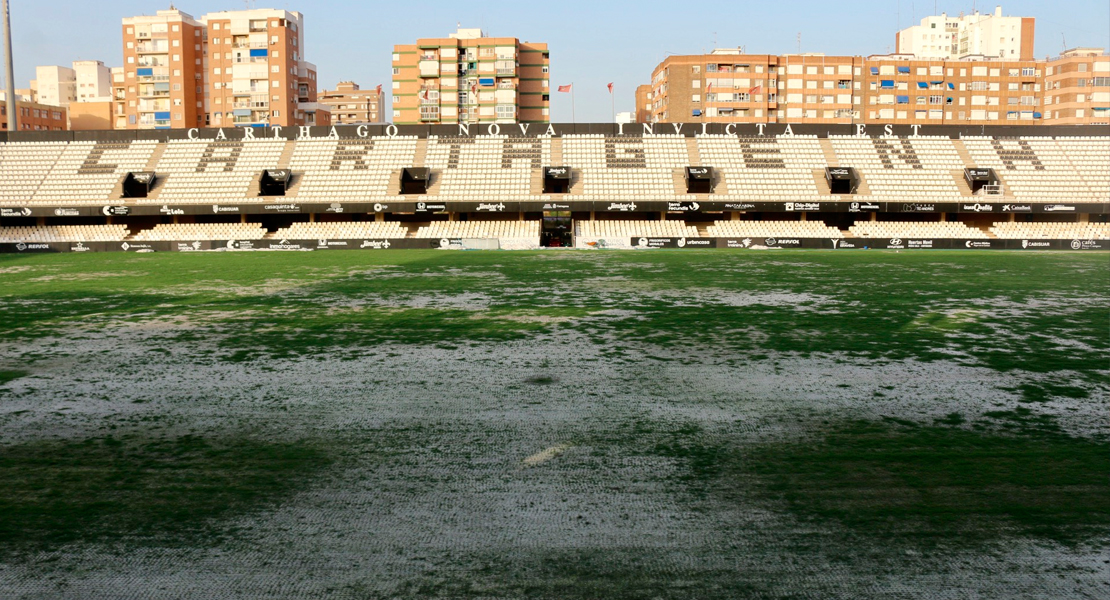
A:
x: 563, y: 424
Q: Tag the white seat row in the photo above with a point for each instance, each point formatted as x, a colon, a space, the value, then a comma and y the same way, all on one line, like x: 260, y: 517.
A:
x: 201, y: 231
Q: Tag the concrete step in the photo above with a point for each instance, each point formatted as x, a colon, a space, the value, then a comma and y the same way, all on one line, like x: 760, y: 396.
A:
x: 965, y: 156
x: 693, y: 152
x: 830, y: 154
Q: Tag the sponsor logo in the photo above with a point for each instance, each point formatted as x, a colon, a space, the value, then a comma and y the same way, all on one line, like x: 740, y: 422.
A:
x: 622, y: 206
x: 142, y: 177
x: 15, y: 212
x: 558, y: 171
x: 681, y: 242
x: 836, y: 243
x: 977, y: 244
x: 1035, y: 244
x: 166, y: 210
x: 699, y: 171
x: 376, y: 244
x: 919, y: 243
x: 334, y: 207
x: 683, y: 206
x: 1088, y: 245
x: 1017, y: 208
x: 116, y: 211
x: 278, y: 174
x: 978, y: 208
x: 66, y: 212
x: 240, y: 245
x: 802, y: 206
x: 1058, y: 208
x: 1076, y: 244
x: 499, y: 207
x: 556, y: 207
x: 284, y: 245
x: 137, y: 247
x: 789, y: 242
x: 330, y: 243
x: 643, y: 242
x: 692, y: 243
x: 216, y: 208
x: 739, y: 206
x: 839, y: 172
x: 770, y: 241
x: 425, y: 207
x: 444, y: 243
x: 281, y: 207
x: 846, y: 244
x: 379, y: 207
x: 895, y: 242
x: 21, y: 246
x: 80, y: 247
x: 919, y: 208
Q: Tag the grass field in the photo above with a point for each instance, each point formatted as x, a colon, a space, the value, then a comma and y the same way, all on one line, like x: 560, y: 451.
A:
x: 555, y: 425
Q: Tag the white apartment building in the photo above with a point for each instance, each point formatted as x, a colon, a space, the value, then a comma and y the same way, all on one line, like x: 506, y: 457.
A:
x: 990, y: 35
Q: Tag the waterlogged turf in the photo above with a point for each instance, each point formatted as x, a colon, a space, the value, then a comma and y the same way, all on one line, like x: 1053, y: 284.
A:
x: 555, y: 424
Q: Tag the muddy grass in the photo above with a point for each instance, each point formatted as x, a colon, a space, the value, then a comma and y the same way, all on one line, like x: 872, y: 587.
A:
x: 583, y: 425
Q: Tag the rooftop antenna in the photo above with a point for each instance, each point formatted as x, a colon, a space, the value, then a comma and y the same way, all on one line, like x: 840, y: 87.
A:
x: 1065, y: 40
x: 799, y: 42
x: 714, y: 40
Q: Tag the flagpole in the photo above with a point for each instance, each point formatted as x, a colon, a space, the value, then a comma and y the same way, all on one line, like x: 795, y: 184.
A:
x: 613, y: 101
x: 573, y: 119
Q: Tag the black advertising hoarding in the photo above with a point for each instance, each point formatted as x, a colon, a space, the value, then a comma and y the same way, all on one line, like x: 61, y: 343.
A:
x: 673, y: 242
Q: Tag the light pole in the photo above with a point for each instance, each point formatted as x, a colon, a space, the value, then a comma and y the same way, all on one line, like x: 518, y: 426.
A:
x: 13, y: 117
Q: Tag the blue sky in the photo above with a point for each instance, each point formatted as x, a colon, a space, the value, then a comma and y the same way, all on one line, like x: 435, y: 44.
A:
x: 592, y: 43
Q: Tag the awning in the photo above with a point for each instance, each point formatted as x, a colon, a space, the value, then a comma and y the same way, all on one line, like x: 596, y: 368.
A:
x: 887, y: 83
x: 162, y: 116
x: 874, y: 70
x: 148, y: 72
x: 242, y: 112
x: 936, y: 82
x: 904, y: 70
x: 262, y: 52
x: 485, y: 81
x: 697, y: 112
x: 921, y: 85
x: 903, y: 99
x: 951, y: 86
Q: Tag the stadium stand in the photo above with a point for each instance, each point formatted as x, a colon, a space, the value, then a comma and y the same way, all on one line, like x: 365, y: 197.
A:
x: 903, y: 168
x: 63, y: 233
x: 515, y: 234
x: 770, y: 167
x: 914, y: 229
x: 213, y: 171
x: 1040, y: 169
x: 487, y: 167
x: 627, y: 167
x: 333, y: 170
x: 1057, y: 231
x: 88, y: 171
x: 24, y: 166
x: 168, y: 232
x: 619, y: 233
x: 343, y: 231
x: 803, y: 229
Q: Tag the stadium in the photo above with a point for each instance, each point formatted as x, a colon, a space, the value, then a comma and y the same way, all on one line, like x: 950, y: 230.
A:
x: 528, y: 186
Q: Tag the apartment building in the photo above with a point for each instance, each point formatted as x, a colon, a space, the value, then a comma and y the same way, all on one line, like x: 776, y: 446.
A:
x: 727, y: 86
x: 989, y: 35
x: 55, y: 85
x: 256, y: 70
x: 907, y: 90
x: 350, y: 104
x: 163, y: 62
x: 34, y: 116
x: 643, y: 103
x: 468, y: 77
x: 1077, y: 87
x: 93, y: 81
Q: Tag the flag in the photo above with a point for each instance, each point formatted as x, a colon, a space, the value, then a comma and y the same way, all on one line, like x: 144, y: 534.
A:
x: 565, y: 88
x: 708, y: 87
x: 379, y: 89
x: 756, y: 90
x: 610, y: 88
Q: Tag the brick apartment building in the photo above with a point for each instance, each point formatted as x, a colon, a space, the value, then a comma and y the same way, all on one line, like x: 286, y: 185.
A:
x: 470, y: 78
x: 349, y: 104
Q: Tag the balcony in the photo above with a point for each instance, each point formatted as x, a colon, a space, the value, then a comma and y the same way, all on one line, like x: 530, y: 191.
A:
x: 152, y: 48
x: 506, y: 72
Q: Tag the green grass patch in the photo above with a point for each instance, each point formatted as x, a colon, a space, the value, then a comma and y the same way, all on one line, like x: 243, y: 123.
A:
x: 6, y: 376
x: 143, y: 492
x: 932, y: 483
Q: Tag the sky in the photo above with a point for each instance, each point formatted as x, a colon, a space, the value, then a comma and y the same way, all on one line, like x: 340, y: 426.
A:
x: 592, y: 43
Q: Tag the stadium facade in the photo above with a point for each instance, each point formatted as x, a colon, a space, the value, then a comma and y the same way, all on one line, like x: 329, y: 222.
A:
x: 534, y: 185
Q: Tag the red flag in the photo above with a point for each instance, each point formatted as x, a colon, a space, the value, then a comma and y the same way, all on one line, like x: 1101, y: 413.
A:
x: 379, y: 89
x: 755, y: 90
x: 610, y: 88
x: 708, y: 86
x: 565, y: 88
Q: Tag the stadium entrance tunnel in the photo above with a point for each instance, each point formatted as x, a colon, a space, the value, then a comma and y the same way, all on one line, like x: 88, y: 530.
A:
x: 137, y: 184
x: 274, y: 182
x: 699, y: 180
x: 557, y: 230
x: 977, y: 179
x: 556, y: 180
x: 415, y: 180
x: 843, y: 181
